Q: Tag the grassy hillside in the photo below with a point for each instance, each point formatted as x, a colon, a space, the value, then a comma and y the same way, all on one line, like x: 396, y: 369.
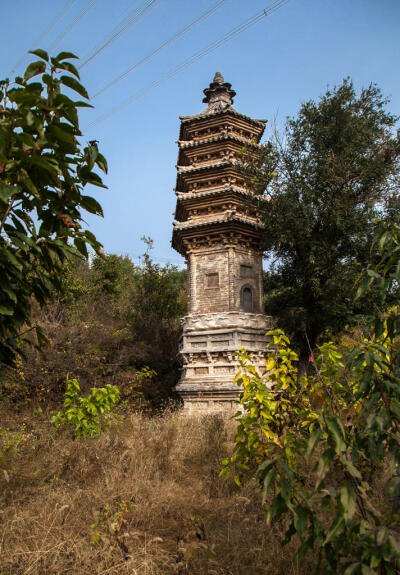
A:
x: 145, y: 498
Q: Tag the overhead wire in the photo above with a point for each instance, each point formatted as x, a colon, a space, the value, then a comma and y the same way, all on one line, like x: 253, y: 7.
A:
x: 89, y: 5
x: 190, y: 61
x: 129, y: 21
x: 45, y: 32
x: 161, y: 47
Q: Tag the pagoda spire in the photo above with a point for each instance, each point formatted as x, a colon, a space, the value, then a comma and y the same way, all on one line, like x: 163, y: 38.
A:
x: 219, y: 95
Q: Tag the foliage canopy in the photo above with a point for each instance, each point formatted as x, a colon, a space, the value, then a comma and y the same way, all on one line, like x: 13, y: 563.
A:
x: 43, y: 172
x: 335, y: 171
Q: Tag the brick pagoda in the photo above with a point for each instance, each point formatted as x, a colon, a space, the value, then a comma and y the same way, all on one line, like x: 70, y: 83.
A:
x: 217, y: 229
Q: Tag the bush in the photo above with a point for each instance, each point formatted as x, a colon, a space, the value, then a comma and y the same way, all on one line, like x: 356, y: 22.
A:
x: 84, y: 416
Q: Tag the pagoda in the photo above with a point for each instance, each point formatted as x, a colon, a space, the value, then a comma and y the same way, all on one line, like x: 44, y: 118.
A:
x: 218, y: 229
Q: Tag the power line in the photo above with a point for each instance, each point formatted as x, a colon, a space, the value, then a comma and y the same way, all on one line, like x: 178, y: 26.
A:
x: 72, y: 25
x: 190, y: 61
x: 163, y: 45
x: 130, y: 20
x: 45, y: 32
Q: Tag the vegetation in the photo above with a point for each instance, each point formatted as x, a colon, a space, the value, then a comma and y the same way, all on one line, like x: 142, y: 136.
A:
x: 85, y: 415
x: 43, y: 172
x: 140, y: 492
x: 143, y: 497
x: 100, y: 332
x: 318, y: 444
x: 335, y: 171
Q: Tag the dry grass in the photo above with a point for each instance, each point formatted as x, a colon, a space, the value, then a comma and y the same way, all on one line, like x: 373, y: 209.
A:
x: 144, y: 498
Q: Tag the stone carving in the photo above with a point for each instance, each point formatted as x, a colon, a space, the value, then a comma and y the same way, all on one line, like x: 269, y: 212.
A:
x: 225, y: 320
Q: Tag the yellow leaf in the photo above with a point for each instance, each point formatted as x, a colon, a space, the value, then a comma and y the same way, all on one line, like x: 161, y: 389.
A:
x: 271, y: 364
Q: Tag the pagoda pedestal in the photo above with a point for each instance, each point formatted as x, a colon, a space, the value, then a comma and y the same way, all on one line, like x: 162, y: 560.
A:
x: 207, y: 352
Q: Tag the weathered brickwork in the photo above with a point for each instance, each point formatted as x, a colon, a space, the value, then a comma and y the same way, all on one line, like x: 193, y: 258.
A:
x: 217, y: 278
x: 217, y: 229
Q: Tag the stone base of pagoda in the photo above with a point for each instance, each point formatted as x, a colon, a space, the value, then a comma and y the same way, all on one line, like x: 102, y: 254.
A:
x: 207, y: 352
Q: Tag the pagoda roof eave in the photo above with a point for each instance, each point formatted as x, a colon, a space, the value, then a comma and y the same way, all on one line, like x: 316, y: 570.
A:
x: 212, y: 223
x: 212, y: 113
x: 215, y: 165
x: 183, y: 144
x: 182, y: 196
x: 185, y: 199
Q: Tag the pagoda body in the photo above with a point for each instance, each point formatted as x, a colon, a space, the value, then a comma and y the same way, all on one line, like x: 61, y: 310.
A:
x: 218, y: 229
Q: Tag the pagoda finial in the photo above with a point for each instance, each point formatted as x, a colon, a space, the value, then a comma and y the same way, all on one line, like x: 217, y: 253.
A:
x: 219, y: 95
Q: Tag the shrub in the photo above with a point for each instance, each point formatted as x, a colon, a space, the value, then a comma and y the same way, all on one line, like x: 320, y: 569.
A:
x: 85, y: 415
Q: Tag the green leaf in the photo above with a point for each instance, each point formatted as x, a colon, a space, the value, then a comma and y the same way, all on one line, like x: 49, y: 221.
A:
x: 30, y: 118
x: 269, y: 481
x: 6, y: 309
x: 7, y: 192
x: 324, y: 462
x: 74, y: 85
x: 47, y: 163
x: 92, y: 178
x: 91, y: 205
x: 40, y: 53
x: 395, y: 544
x: 11, y: 258
x: 81, y: 245
x: 79, y: 104
x: 312, y: 442
x: 34, y: 69
x: 348, y: 500
x: 351, y: 468
x: 337, y: 433
x: 102, y: 163
x: 277, y: 508
x: 352, y: 568
x: 66, y: 56
x: 68, y: 67
x: 373, y: 274
x: 61, y: 132
x: 337, y: 528
x: 5, y: 288
x: 237, y: 481
x: 363, y: 287
x: 381, y: 536
x: 300, y: 519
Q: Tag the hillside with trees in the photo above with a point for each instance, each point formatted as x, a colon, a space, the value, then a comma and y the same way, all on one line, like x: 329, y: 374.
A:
x: 99, y: 473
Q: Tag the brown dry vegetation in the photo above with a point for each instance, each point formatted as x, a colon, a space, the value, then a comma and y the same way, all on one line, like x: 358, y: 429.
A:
x: 143, y: 498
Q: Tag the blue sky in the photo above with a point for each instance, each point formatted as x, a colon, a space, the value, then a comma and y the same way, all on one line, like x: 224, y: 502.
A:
x: 288, y: 57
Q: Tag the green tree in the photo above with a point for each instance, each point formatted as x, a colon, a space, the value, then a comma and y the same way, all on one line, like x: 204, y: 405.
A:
x: 114, y: 274
x: 43, y: 172
x: 334, y: 172
x: 158, y: 301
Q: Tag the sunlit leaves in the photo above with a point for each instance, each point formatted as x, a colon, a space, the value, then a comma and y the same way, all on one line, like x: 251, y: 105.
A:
x: 315, y: 443
x: 84, y: 416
